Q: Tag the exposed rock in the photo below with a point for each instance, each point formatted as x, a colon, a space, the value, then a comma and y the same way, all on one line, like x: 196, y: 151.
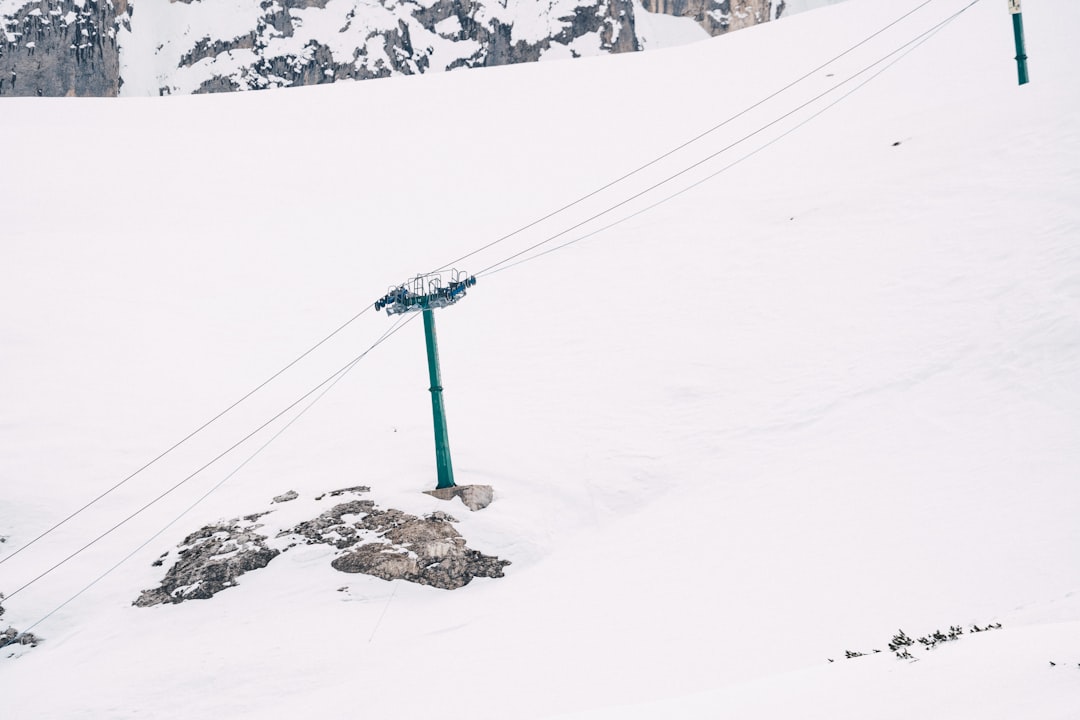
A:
x: 394, y: 545
x: 355, y: 490
x: 716, y: 16
x: 329, y: 528
x: 286, y: 497
x: 475, y: 497
x: 388, y: 544
x: 11, y: 636
x: 405, y: 46
x: 428, y: 551
x: 210, y: 560
x: 72, y: 47
x: 62, y: 48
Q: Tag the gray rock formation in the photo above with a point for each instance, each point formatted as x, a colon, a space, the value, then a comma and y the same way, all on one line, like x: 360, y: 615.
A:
x: 475, y: 497
x: 211, y: 559
x: 393, y: 545
x: 11, y: 636
x: 62, y: 48
x: 428, y: 551
x: 389, y: 51
x: 716, y: 16
x: 387, y: 544
x: 286, y: 496
x: 73, y: 47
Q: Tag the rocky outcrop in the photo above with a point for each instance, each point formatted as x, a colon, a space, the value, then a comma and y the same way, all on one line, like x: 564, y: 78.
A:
x: 405, y: 46
x: 428, y: 551
x: 211, y: 559
x: 474, y: 497
x: 716, y: 16
x: 286, y: 497
x: 71, y: 47
x: 11, y: 636
x: 62, y: 48
x: 387, y: 544
x: 394, y: 545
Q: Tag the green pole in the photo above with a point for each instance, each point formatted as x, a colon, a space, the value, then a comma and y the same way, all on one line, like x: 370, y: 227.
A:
x: 442, y: 440
x: 1018, y: 35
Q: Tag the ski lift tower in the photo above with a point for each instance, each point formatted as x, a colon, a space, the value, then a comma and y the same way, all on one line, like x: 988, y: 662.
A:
x: 426, y: 293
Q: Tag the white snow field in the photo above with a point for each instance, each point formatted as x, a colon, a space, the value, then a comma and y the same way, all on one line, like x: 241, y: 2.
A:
x: 831, y: 393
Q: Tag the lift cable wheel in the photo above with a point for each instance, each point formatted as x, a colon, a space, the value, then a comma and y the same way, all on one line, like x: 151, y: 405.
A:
x: 426, y: 293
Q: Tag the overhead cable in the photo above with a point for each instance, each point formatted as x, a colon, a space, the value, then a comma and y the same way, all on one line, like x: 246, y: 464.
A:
x: 232, y: 447
x: 919, y: 41
x: 187, y: 437
x: 707, y: 158
x: 337, y: 377
x: 692, y: 140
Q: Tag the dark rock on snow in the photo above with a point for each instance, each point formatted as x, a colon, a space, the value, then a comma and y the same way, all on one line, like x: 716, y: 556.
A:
x: 211, y: 559
x: 387, y: 544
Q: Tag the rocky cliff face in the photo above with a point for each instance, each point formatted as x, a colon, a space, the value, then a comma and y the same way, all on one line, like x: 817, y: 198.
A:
x: 93, y: 47
x: 62, y: 47
x: 716, y: 16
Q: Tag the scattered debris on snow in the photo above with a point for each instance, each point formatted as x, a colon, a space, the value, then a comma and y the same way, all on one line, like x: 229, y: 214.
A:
x: 901, y: 642
x: 11, y: 636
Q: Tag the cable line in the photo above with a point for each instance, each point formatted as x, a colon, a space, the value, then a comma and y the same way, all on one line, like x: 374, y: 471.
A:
x: 232, y: 447
x: 581, y: 199
x: 337, y: 378
x: 190, y: 435
x: 915, y: 43
x: 333, y: 379
x: 705, y: 159
x: 692, y: 140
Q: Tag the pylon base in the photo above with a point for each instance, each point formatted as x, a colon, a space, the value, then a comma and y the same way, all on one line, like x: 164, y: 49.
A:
x: 475, y: 497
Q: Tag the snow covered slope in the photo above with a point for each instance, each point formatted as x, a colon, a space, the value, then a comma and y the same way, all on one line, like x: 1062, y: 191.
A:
x: 831, y: 393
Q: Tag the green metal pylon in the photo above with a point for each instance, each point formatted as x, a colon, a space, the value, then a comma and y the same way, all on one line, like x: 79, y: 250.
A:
x: 442, y: 441
x: 1018, y: 36
x: 427, y: 293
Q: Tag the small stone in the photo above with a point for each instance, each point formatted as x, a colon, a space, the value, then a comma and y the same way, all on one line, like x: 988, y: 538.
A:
x: 286, y: 497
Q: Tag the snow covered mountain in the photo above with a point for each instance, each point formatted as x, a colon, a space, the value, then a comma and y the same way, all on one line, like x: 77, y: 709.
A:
x: 152, y: 47
x: 808, y: 378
